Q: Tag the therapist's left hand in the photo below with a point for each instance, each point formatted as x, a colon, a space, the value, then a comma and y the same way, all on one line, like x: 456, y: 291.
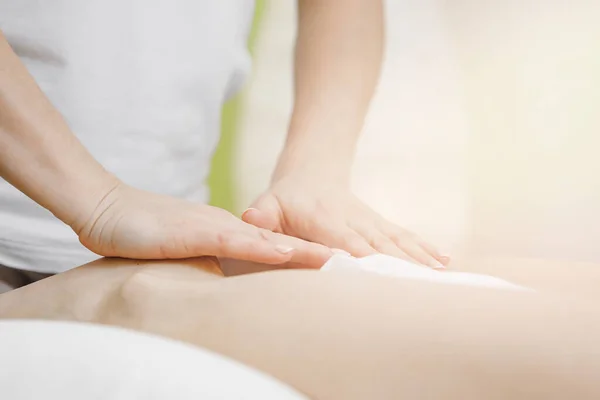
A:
x: 331, y: 215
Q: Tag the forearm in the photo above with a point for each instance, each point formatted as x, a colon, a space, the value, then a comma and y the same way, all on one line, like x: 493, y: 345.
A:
x: 338, y: 58
x: 38, y: 153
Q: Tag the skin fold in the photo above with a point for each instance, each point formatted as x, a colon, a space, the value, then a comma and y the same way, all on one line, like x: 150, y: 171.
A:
x: 353, y: 335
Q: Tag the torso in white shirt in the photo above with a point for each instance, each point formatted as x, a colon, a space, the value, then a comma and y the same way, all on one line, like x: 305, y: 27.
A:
x: 141, y: 83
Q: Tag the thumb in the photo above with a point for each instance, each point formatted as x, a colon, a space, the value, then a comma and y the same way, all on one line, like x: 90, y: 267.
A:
x: 264, y: 213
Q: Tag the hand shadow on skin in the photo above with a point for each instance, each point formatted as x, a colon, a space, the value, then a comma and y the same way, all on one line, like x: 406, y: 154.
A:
x: 231, y: 267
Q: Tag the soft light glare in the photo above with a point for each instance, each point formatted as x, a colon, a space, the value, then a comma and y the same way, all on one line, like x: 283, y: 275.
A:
x: 484, y: 131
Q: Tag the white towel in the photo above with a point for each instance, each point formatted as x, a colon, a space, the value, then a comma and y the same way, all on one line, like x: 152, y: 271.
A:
x: 81, y: 361
x: 395, y: 267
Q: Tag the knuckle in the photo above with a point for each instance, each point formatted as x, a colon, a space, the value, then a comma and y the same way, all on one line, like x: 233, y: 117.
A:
x: 224, y: 240
x: 411, y: 234
x: 264, y: 234
x: 351, y: 240
x: 402, y: 236
x: 321, y: 207
x: 417, y: 254
x: 222, y: 212
x: 380, y: 243
x: 357, y: 246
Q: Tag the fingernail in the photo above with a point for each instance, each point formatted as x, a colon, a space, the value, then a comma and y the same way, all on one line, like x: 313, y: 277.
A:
x: 284, y: 249
x: 445, y: 260
x: 437, y: 265
x: 340, y: 251
x: 248, y: 209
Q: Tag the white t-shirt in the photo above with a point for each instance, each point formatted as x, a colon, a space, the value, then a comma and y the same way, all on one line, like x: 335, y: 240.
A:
x: 141, y: 83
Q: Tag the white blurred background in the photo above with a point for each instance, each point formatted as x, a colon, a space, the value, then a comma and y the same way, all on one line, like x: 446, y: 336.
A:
x: 484, y: 132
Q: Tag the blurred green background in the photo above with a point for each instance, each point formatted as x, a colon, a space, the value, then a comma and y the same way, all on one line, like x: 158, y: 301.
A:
x: 220, y: 180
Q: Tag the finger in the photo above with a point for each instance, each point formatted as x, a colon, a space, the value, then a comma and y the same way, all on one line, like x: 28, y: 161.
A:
x: 409, y: 243
x: 400, y: 235
x: 350, y: 241
x: 428, y: 247
x: 401, y: 244
x: 415, y: 251
x: 337, y: 235
x: 445, y: 260
x: 264, y: 213
x: 251, y: 247
x: 306, y: 254
x: 382, y: 243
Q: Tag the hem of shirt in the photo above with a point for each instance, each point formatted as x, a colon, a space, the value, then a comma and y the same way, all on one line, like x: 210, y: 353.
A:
x: 43, y: 258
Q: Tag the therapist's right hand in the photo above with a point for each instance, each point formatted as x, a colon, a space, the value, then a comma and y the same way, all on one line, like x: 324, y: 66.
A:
x: 132, y: 223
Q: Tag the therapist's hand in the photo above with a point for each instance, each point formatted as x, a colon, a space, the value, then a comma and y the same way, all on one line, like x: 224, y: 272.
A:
x: 333, y: 216
x: 131, y: 223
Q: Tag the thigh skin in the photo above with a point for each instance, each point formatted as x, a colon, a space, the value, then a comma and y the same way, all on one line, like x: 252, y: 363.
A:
x: 343, y: 335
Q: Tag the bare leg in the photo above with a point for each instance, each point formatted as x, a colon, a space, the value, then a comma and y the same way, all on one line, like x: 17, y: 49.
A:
x: 563, y: 277
x: 345, y: 336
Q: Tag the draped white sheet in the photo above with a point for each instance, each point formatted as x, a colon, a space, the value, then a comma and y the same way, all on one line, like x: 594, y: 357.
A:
x: 75, y: 361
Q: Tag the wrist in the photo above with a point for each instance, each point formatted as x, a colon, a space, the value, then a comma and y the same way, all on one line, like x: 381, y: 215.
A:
x: 325, y: 168
x: 310, y: 157
x: 91, y: 199
x: 316, y: 176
